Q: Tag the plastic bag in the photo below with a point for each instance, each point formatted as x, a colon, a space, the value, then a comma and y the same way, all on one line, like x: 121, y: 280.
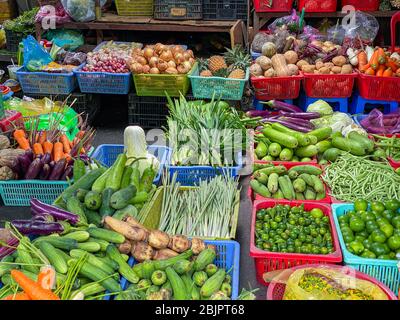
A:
x: 360, y: 29
x: 74, y: 58
x: 291, y: 22
x: 336, y: 34
x: 35, y: 56
x: 310, y: 34
x: 259, y: 39
x: 60, y: 16
x: 379, y: 123
x: 81, y: 10
x: 70, y: 40
x: 330, y: 283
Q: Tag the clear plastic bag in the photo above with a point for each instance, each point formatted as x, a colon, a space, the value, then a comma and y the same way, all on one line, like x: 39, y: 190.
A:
x: 81, y: 10
x: 379, y: 123
x: 291, y: 22
x: 259, y: 39
x: 35, y: 56
x: 60, y: 16
x: 360, y: 28
x: 336, y: 34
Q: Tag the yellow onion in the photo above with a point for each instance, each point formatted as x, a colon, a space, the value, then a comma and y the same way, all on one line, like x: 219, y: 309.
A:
x: 154, y: 71
x: 148, y: 53
x: 187, y: 66
x: 146, y: 68
x: 171, y: 71
x: 190, y: 52
x: 172, y: 64
x: 141, y: 60
x: 136, y: 68
x: 153, y: 62
x: 177, y: 49
x: 162, y: 65
x: 179, y: 58
x: 182, y: 69
x: 167, y: 55
x: 186, y: 55
x: 192, y: 61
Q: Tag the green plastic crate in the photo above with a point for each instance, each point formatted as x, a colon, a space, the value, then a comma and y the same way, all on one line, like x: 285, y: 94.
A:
x: 142, y: 8
x: 152, y: 212
x: 157, y: 85
x: 20, y: 192
x: 224, y: 88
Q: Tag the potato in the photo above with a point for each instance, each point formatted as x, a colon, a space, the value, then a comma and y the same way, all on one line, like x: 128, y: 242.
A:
x: 308, y: 68
x: 264, y: 62
x: 319, y: 65
x: 291, y: 57
x: 293, y: 69
x: 302, y: 63
x: 329, y: 65
x: 347, y: 69
x: 336, y: 70
x: 339, y: 61
x: 270, y: 73
x: 324, y: 70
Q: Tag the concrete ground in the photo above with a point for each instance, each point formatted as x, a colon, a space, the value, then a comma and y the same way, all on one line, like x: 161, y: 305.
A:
x: 247, y: 269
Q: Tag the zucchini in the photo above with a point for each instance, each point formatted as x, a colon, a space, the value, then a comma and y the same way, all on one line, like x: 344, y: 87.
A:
x: 308, y: 151
x: 273, y: 182
x: 306, y: 169
x: 105, y: 209
x: 213, y: 284
x: 107, y: 235
x: 100, y: 183
x: 352, y: 146
x: 95, y: 274
x: 303, y: 139
x: 97, y: 262
x: 80, y: 235
x: 177, y: 284
x: 204, y: 258
x: 321, y: 133
x: 278, y: 195
x: 124, y: 269
x: 282, y: 138
x: 89, y: 246
x: 55, y: 259
x: 259, y: 188
x: 363, y: 140
x: 80, y: 194
x: 322, y: 146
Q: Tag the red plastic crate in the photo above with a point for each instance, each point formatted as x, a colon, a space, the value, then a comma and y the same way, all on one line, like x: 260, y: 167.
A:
x: 279, y: 88
x: 379, y: 88
x: 266, y: 261
x: 289, y: 165
x: 277, y: 5
x: 329, y: 85
x: 276, y: 290
x: 318, y: 5
x: 362, y: 5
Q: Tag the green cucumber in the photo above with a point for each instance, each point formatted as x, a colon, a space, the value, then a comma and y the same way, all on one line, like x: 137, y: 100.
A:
x: 75, y: 206
x: 302, y: 138
x: 80, y: 236
x: 310, y: 194
x: 299, y: 185
x: 100, y: 183
x: 55, y: 259
x: 363, y: 140
x: 129, y: 210
x: 286, y: 155
x: 286, y: 187
x: 324, y: 145
x: 278, y: 195
x: 306, y: 169
x: 260, y: 189
x: 121, y: 198
x: 107, y: 235
x: 307, y: 178
x: 273, y: 182
x: 332, y: 154
x: 93, y: 217
x: 318, y: 185
x: 261, y: 150
x: 277, y: 169
x: 261, y: 177
x: 106, y: 209
x: 300, y: 196
x: 93, y: 200
x: 352, y: 146
x: 89, y: 246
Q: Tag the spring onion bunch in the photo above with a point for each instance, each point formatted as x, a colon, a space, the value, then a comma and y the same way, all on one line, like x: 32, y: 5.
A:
x: 203, y: 211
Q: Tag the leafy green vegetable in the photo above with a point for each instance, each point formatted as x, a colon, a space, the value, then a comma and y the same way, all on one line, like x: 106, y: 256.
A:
x: 320, y: 106
x: 25, y: 23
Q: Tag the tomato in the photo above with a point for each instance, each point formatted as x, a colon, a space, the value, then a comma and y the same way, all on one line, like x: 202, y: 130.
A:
x: 371, y: 226
x: 378, y: 248
x: 357, y: 247
x: 344, y: 218
x: 368, y: 254
x: 367, y: 244
x: 394, y: 242
x: 377, y: 206
x: 384, y: 257
x: 387, y: 229
x: 317, y: 213
x: 357, y: 224
x: 367, y: 216
x: 392, y: 205
x: 396, y: 221
x: 359, y: 238
x: 360, y: 205
x: 378, y: 236
x: 388, y: 214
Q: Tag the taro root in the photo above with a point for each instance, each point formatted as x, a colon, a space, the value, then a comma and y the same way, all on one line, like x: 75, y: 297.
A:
x: 134, y: 223
x: 198, y: 246
x: 142, y: 251
x: 164, y: 254
x: 158, y: 239
x: 179, y: 243
x: 125, y: 247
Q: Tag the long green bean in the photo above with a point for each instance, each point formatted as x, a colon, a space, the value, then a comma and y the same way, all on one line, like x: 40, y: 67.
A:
x: 351, y: 178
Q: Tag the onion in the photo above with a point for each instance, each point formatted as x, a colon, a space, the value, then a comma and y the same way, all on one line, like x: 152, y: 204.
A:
x: 154, y: 71
x: 190, y: 53
x: 171, y: 64
x: 148, y: 53
x: 177, y: 49
x: 141, y: 60
x: 153, y: 62
x: 136, y: 68
x: 186, y: 56
x: 171, y: 70
x: 192, y: 61
x: 167, y: 55
x: 182, y: 69
x: 179, y: 58
x: 187, y: 66
x: 162, y: 65
x: 146, y: 68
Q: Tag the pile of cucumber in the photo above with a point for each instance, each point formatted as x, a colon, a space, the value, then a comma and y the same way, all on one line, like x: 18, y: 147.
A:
x: 279, y: 143
x: 179, y: 278
x: 297, y: 183
x: 117, y: 191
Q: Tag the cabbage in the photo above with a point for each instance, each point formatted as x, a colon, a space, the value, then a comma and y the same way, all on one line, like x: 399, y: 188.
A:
x: 320, y: 106
x: 339, y: 122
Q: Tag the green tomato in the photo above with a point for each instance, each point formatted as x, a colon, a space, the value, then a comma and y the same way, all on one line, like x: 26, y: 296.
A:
x: 384, y: 257
x: 377, y: 206
x: 344, y: 219
x: 378, y: 236
x: 394, y: 242
x: 357, y: 247
x: 360, y: 205
x: 392, y: 205
x: 357, y: 224
x: 388, y: 214
x: 378, y: 248
x: 316, y: 213
x: 371, y: 226
x: 387, y: 229
x: 368, y: 254
x: 396, y: 221
x: 367, y: 244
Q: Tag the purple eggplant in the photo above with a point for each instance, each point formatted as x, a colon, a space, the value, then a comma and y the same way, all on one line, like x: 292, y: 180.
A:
x: 60, y: 214
x: 16, y: 167
x: 258, y: 113
x: 33, y: 227
x: 34, y: 169
x: 46, y: 158
x: 280, y: 105
x: 24, y: 162
x: 29, y: 154
x: 67, y: 173
x: 58, y: 170
x: 43, y: 217
x: 288, y: 125
x: 301, y: 115
x: 301, y: 122
x: 45, y: 172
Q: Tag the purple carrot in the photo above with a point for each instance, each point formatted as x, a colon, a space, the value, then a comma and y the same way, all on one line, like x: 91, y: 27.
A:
x: 10, y: 248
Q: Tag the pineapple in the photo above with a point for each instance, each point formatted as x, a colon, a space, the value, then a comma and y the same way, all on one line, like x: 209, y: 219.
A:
x: 203, y: 67
x: 237, y: 73
x: 216, y: 63
x: 237, y: 58
x: 223, y: 73
x: 206, y: 73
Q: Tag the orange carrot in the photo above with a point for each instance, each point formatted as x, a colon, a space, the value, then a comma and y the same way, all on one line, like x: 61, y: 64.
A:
x: 362, y: 59
x: 370, y: 72
x: 67, y: 156
x: 374, y: 61
x: 17, y: 296
x: 37, y: 148
x: 58, y: 152
x: 42, y: 137
x: 65, y: 142
x: 47, y: 278
x: 19, y: 136
x: 365, y: 67
x: 381, y: 69
x: 47, y: 147
x: 392, y: 64
x: 381, y: 56
x: 31, y: 288
x: 388, y: 72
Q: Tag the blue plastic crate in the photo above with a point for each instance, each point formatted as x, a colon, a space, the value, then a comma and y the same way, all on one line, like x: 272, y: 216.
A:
x: 386, y: 271
x: 255, y: 55
x: 19, y: 192
x: 103, y: 82
x: 192, y: 175
x: 228, y: 256
x: 108, y: 153
x: 46, y: 83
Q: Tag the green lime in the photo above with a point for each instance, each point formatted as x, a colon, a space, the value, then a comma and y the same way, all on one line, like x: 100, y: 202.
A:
x: 360, y: 205
x: 377, y: 206
x: 357, y: 224
x: 316, y: 213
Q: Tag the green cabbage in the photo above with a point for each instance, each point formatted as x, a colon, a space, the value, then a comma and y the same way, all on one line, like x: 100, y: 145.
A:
x: 320, y: 106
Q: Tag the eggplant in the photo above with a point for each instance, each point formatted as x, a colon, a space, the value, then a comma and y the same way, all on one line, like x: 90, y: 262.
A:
x: 33, y: 227
x: 24, y: 162
x: 46, y: 158
x: 58, y: 170
x: 34, y: 169
x: 52, y: 164
x: 289, y: 125
x: 301, y: 122
x: 60, y: 214
x: 45, y: 172
x: 301, y: 115
x: 258, y: 113
x: 29, y: 154
x: 280, y: 105
x: 67, y: 173
x: 16, y: 167
x: 43, y: 217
